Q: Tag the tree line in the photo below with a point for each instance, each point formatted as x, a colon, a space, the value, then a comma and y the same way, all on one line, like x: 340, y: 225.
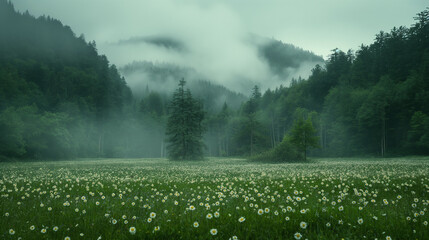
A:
x: 60, y: 99
x: 372, y: 102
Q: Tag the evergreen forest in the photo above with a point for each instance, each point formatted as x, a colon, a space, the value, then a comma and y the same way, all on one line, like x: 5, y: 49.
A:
x: 61, y: 99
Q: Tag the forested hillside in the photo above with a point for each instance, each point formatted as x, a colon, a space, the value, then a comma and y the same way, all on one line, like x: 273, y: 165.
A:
x: 145, y: 77
x: 372, y: 102
x: 59, y: 98
x: 285, y: 60
x: 57, y: 94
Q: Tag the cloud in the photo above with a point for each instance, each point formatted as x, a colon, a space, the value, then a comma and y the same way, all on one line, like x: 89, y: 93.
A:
x: 214, y: 37
x: 210, y: 36
x: 160, y: 41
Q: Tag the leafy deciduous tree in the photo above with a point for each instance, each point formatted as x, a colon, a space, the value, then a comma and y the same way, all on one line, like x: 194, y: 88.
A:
x: 303, y: 135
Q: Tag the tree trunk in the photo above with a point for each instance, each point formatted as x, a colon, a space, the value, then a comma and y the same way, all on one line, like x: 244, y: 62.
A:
x: 126, y: 147
x: 305, y: 147
x: 321, y: 136
x: 101, y: 144
x: 383, y: 137
x: 227, y: 146
x: 273, y: 136
x: 251, y: 142
x: 325, y: 138
x: 219, y: 144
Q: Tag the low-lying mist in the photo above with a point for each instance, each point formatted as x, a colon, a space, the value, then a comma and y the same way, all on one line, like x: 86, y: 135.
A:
x: 214, y: 39
x: 238, y: 64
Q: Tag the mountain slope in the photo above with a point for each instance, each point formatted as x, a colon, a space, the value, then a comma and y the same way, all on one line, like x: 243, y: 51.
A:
x: 143, y: 75
x: 56, y: 92
x: 283, y: 63
x: 283, y: 58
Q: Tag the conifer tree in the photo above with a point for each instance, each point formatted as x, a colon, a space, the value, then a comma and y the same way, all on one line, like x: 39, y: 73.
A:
x: 251, y: 109
x: 184, y: 126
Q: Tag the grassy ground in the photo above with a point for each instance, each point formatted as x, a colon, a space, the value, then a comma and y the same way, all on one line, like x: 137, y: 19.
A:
x: 159, y: 199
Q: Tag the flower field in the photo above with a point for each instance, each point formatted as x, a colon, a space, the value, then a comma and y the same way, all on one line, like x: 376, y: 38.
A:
x: 215, y: 199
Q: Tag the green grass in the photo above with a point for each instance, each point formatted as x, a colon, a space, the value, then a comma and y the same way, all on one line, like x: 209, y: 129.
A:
x: 391, y: 196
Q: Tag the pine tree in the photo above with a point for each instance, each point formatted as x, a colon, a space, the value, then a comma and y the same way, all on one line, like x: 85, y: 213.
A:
x: 184, y: 126
x: 251, y: 109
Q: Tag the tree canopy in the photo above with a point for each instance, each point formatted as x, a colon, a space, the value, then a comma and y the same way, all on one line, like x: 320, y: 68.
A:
x: 59, y: 98
x: 184, y: 126
x: 57, y: 94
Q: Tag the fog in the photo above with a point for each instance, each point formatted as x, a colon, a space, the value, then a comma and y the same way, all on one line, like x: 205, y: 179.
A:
x: 212, y: 37
x: 65, y: 94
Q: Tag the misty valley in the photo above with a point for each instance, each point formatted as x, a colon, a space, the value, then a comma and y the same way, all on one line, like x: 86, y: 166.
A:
x: 259, y: 139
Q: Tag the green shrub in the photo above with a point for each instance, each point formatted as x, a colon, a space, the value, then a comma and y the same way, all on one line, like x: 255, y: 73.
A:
x: 284, y: 152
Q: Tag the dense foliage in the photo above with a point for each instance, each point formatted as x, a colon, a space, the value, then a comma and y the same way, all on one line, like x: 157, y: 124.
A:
x: 302, y: 136
x: 372, y: 102
x: 282, y: 57
x: 285, y: 151
x: 59, y: 98
x: 57, y: 95
x: 184, y: 128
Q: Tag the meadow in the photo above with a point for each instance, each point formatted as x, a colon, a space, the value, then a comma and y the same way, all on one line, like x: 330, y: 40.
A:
x: 215, y: 199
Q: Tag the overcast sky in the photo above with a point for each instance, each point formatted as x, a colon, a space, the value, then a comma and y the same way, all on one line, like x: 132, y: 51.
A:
x: 214, y: 29
x: 317, y: 25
